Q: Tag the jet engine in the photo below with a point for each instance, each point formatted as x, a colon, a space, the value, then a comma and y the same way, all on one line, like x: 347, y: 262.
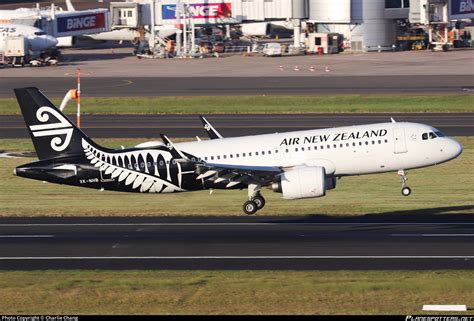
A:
x: 304, y: 182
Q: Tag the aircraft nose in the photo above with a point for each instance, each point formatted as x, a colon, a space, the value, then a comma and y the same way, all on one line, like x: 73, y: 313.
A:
x: 455, y: 148
x: 50, y: 41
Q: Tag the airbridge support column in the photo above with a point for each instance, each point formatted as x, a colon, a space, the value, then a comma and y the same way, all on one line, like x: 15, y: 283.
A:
x: 296, y: 32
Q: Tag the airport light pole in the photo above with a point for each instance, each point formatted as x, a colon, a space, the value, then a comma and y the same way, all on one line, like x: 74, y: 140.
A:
x: 151, y: 40
x: 79, y: 98
x: 178, y: 31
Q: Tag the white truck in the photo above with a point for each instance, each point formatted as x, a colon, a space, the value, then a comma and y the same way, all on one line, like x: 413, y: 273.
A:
x: 16, y: 49
x: 272, y: 49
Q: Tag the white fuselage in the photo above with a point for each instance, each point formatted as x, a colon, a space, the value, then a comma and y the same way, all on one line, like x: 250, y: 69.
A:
x: 351, y: 150
x: 37, y: 40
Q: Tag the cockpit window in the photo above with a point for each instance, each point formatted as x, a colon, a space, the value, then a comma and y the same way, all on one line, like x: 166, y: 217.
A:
x: 439, y: 134
x: 40, y: 33
x: 431, y: 135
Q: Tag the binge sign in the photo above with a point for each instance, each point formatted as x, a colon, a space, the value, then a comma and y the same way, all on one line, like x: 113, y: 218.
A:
x: 461, y: 9
x: 81, y: 22
x: 199, y: 10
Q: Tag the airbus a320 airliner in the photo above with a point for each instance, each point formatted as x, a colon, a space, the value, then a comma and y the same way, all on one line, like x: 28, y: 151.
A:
x: 299, y: 164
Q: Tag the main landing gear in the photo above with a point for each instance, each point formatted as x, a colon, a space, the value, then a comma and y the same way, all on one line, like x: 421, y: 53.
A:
x: 403, y: 179
x: 256, y: 201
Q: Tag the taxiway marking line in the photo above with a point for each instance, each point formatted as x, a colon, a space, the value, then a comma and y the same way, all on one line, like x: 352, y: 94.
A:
x: 433, y: 235
x: 232, y: 257
x: 221, y: 224
x: 26, y: 236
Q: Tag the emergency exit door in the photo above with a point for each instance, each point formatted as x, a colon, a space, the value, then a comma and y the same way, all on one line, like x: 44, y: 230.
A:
x: 400, y: 144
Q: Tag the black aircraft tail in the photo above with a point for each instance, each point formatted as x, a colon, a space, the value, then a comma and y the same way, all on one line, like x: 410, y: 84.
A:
x: 52, y: 133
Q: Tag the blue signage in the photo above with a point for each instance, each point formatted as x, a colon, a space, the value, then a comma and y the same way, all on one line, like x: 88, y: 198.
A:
x: 462, y: 8
x: 81, y: 22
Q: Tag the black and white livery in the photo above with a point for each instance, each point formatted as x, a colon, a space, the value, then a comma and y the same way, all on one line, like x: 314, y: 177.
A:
x: 300, y: 164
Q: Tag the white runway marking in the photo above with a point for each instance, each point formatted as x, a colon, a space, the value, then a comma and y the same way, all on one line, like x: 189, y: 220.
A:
x: 25, y: 236
x: 233, y: 257
x: 219, y: 224
x: 434, y: 235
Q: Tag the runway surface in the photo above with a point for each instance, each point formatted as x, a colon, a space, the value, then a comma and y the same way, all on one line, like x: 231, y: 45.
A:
x: 129, y: 126
x: 211, y: 86
x: 316, y: 243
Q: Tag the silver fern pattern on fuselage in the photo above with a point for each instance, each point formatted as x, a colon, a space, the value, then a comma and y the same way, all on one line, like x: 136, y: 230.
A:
x: 147, y: 170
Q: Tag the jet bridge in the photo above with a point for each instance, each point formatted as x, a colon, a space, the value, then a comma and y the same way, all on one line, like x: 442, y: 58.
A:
x: 74, y: 23
x: 181, y: 17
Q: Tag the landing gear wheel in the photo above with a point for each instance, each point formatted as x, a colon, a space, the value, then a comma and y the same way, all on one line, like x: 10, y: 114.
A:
x: 250, y: 207
x: 406, y: 191
x: 260, y: 201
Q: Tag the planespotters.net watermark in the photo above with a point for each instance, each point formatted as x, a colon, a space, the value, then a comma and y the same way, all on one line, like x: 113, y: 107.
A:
x: 41, y: 318
x: 439, y: 318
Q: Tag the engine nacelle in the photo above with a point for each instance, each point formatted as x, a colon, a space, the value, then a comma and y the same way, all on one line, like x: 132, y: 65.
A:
x: 303, y: 182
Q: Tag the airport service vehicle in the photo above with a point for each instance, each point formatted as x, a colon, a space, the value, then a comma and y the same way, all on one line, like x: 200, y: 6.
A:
x: 299, y: 164
x: 272, y: 49
x: 18, y: 40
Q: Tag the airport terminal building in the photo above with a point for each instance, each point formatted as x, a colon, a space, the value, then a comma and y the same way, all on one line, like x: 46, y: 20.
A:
x: 364, y: 24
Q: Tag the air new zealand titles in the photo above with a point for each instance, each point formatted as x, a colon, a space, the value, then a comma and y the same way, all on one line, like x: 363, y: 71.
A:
x: 335, y: 137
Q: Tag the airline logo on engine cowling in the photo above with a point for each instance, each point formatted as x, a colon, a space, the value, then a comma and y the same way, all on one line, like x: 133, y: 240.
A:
x: 58, y: 129
x: 333, y: 137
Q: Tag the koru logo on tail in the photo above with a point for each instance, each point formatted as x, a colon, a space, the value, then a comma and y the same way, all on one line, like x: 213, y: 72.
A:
x: 63, y: 127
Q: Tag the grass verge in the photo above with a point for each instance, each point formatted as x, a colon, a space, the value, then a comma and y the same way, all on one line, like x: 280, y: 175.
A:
x: 438, y: 190
x: 231, y: 292
x: 266, y: 104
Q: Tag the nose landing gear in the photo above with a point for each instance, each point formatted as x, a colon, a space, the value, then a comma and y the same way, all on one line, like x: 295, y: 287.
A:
x: 403, y: 179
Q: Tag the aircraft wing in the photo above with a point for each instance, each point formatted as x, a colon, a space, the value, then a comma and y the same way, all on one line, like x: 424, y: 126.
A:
x: 211, y: 131
x: 236, y: 174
